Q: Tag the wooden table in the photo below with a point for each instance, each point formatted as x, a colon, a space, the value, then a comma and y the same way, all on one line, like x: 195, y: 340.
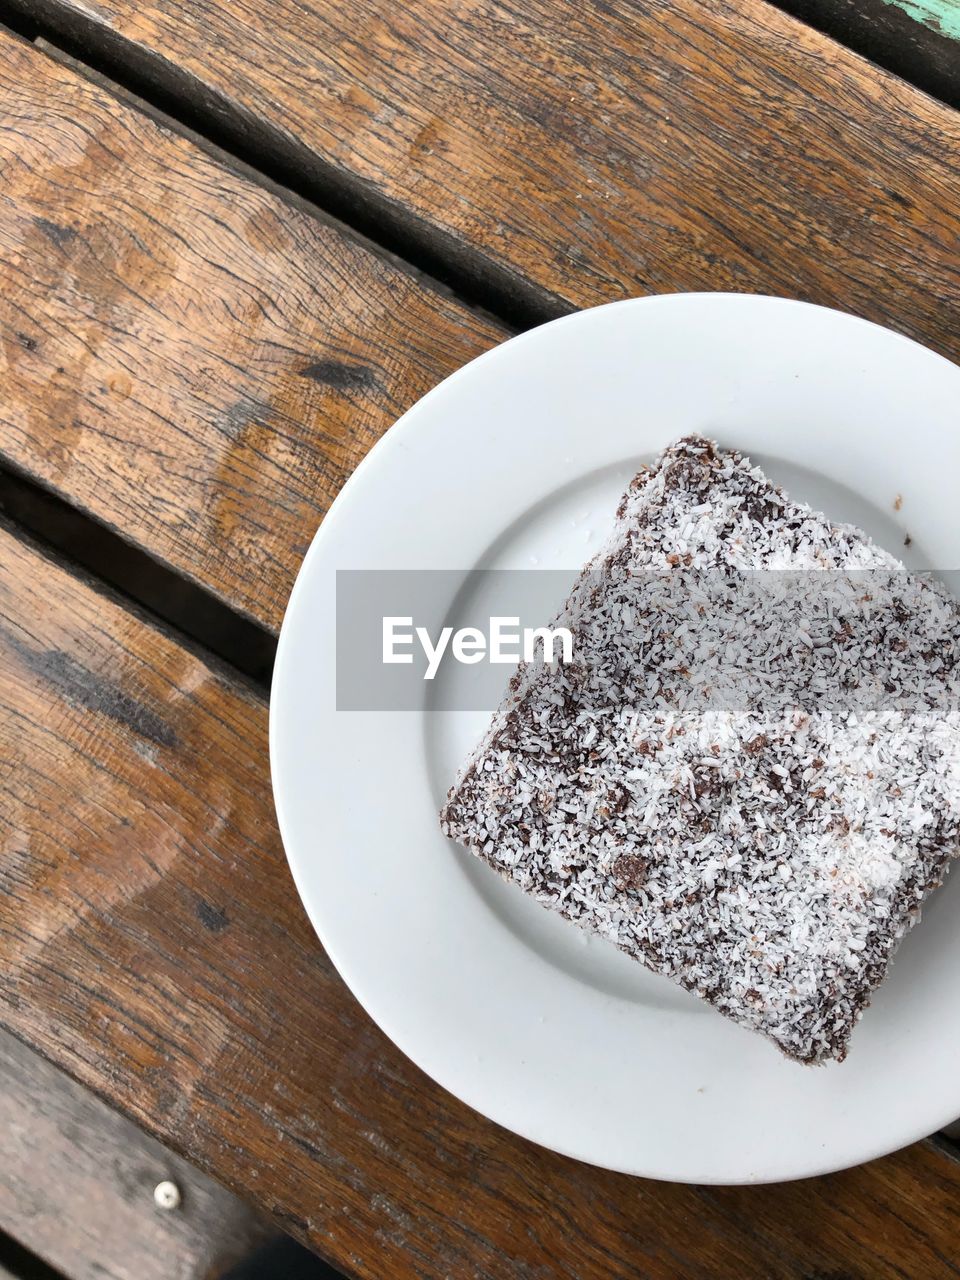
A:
x: 215, y: 296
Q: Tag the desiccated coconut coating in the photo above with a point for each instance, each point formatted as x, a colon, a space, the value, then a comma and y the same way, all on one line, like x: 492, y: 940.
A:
x: 749, y: 776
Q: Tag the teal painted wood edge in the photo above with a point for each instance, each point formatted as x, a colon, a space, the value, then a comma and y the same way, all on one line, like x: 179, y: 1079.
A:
x: 940, y: 15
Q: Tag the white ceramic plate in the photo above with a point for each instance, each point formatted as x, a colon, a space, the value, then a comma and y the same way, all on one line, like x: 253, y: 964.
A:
x: 556, y: 1036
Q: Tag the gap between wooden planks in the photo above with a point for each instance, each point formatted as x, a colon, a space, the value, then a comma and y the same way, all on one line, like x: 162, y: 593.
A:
x: 152, y: 944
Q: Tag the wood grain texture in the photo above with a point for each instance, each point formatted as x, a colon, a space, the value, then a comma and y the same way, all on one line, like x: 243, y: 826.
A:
x: 152, y: 944
x: 577, y: 155
x: 182, y: 354
x: 77, y: 1181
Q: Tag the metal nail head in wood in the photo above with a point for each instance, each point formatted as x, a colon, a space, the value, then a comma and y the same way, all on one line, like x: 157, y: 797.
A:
x: 166, y: 1195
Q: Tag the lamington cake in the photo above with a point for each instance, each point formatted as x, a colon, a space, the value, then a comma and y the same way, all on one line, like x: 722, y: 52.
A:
x: 748, y: 776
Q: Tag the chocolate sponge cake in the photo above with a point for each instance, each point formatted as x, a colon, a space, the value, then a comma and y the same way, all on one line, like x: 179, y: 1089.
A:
x: 748, y: 776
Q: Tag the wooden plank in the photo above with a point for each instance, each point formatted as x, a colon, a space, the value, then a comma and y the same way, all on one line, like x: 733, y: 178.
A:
x: 570, y: 157
x: 77, y: 1183
x: 916, y: 39
x: 183, y: 354
x: 152, y: 944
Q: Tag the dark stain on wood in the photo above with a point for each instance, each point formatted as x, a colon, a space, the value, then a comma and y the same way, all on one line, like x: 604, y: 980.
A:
x: 245, y: 412
x: 58, y: 235
x: 213, y: 918
x: 81, y: 687
x: 88, y: 689
x: 342, y: 377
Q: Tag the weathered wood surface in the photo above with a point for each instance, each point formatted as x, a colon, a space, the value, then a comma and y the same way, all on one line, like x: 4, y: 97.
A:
x: 199, y: 364
x: 182, y: 354
x: 575, y: 155
x: 152, y: 944
x: 77, y: 1182
x: 917, y: 39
